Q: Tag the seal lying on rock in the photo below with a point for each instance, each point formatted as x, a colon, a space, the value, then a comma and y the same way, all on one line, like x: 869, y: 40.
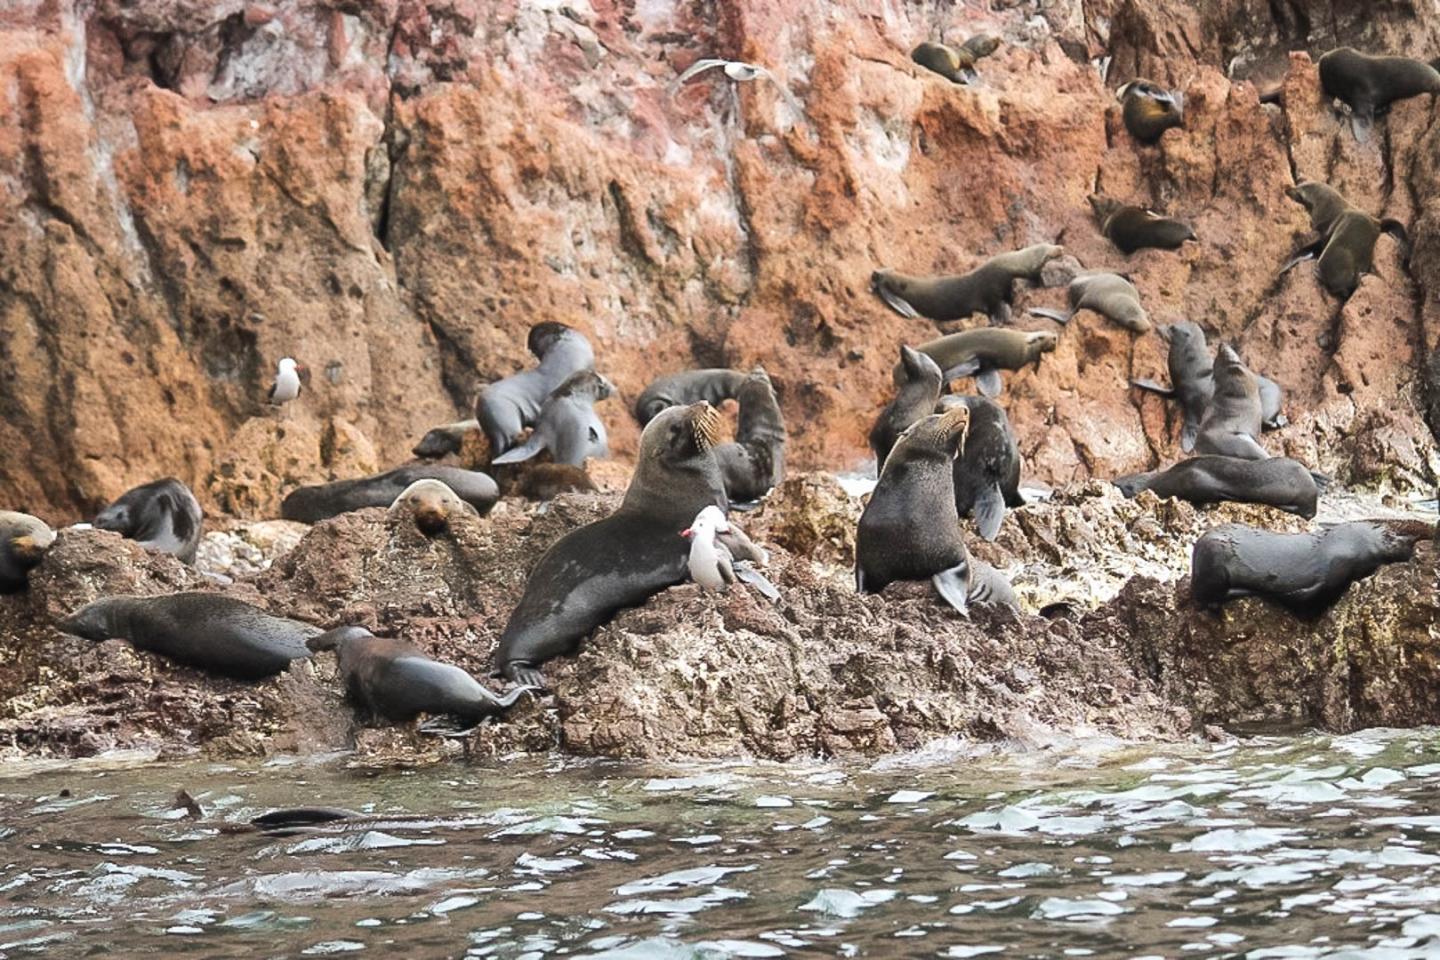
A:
x: 956, y: 64
x: 919, y: 391
x: 1368, y: 85
x: 1134, y: 228
x: 687, y: 387
x: 325, y: 500
x: 1277, y: 482
x: 206, y: 630
x: 23, y: 542
x: 508, y: 406
x: 567, y: 424
x: 596, y: 570
x: 163, y: 516
x: 1149, y: 109
x: 1346, y: 236
x: 431, y: 504
x: 988, y: 289
x: 987, y: 471
x: 983, y: 353
x: 1109, y: 295
x: 754, y: 463
x: 1305, y: 572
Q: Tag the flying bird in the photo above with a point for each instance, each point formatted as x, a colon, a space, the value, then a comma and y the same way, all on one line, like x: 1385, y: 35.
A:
x: 736, y: 70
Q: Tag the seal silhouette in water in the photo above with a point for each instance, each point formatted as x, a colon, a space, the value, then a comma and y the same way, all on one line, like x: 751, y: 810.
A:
x: 1345, y: 241
x: 23, y: 542
x: 1368, y: 85
x: 988, y: 289
x: 1276, y: 481
x: 323, y: 501
x: 508, y: 406
x: 920, y: 385
x: 1134, y: 228
x: 163, y: 516
x: 1149, y: 109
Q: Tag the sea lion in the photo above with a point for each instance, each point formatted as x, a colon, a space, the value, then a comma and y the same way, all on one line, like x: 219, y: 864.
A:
x: 596, y: 570
x: 1150, y: 109
x: 1346, y: 236
x: 205, y: 630
x: 163, y: 516
x: 322, y: 501
x: 983, y: 353
x: 1368, y: 85
x: 910, y: 529
x: 919, y: 392
x: 23, y: 542
x: 956, y: 64
x: 687, y: 387
x: 988, y: 289
x: 443, y: 440
x: 987, y: 472
x: 1134, y: 228
x: 431, y: 504
x: 1276, y: 481
x: 1109, y: 295
x: 1304, y: 572
x: 1232, y: 423
x: 508, y: 406
x: 754, y: 463
x: 388, y: 679
x: 567, y: 424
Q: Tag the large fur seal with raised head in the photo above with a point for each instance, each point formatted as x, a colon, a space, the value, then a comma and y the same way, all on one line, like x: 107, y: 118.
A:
x: 567, y: 424
x: 1277, y: 482
x: 1345, y: 237
x: 1368, y: 85
x: 596, y: 570
x: 987, y: 472
x: 983, y: 353
x: 754, y: 463
x: 1234, y: 418
x: 919, y: 391
x: 988, y: 289
x: 163, y: 516
x: 508, y: 406
x: 215, y: 633
x: 1135, y: 228
x: 325, y: 500
x: 1108, y: 294
x: 1149, y: 109
x: 23, y: 542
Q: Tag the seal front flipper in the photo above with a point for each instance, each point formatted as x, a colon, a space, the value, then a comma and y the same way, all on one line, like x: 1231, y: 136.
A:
x: 989, y: 382
x: 989, y: 511
x: 1151, y: 386
x: 525, y: 451
x: 896, y: 303
x: 1058, y: 316
x: 1188, y: 434
x: 1301, y: 255
x: 529, y: 678
x: 749, y: 576
x: 953, y: 585
x: 1361, y: 123
x: 965, y: 368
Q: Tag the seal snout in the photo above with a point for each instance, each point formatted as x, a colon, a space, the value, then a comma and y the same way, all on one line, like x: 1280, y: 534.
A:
x: 431, y: 519
x: 331, y: 639
x: 704, y: 425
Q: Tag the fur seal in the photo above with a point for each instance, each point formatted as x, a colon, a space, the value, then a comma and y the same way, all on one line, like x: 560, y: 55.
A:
x: 388, y: 679
x: 956, y: 64
x: 1346, y: 237
x: 1276, y: 481
x: 754, y: 463
x: 1232, y: 423
x: 910, y: 530
x: 983, y: 353
x: 918, y: 392
x: 988, y: 289
x: 546, y: 481
x: 23, y: 542
x: 443, y: 440
x: 431, y: 504
x: 987, y: 472
x: 163, y: 516
x: 596, y: 570
x: 1304, y: 572
x: 322, y: 501
x: 1149, y: 109
x: 508, y: 406
x: 1109, y: 295
x: 1368, y: 85
x: 206, y: 630
x: 1134, y: 228
x: 687, y: 387
x: 567, y: 424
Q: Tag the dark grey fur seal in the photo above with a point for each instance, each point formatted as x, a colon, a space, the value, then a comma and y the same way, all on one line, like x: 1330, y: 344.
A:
x: 1304, y: 572
x: 393, y: 680
x: 987, y: 472
x: 916, y: 397
x: 988, y: 289
x: 983, y: 353
x: 956, y: 64
x: 687, y: 387
x: 1108, y: 294
x: 1232, y: 423
x: 1277, y: 482
x: 1150, y: 109
x: 596, y: 570
x: 443, y: 440
x: 205, y: 630
x: 23, y: 542
x: 754, y: 463
x: 325, y: 500
x: 1368, y: 85
x: 510, y: 405
x: 1345, y: 237
x: 567, y: 425
x: 1134, y: 228
x: 163, y: 516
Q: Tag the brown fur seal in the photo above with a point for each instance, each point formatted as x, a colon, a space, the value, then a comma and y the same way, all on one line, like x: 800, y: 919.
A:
x: 1277, y: 482
x: 596, y: 570
x: 956, y: 64
x: 1109, y: 295
x: 325, y: 500
x: 394, y: 680
x: 163, y: 516
x: 1368, y: 85
x: 1133, y: 228
x: 23, y: 542
x: 431, y: 504
x: 1149, y: 109
x: 982, y: 353
x: 510, y: 405
x: 988, y: 289
x: 755, y: 463
x: 205, y: 630
x: 910, y: 529
x: 1345, y: 239
x: 1233, y: 419
x: 1305, y: 572
x: 916, y: 397
x: 567, y: 424
x: 687, y: 387
x: 987, y: 472
x: 546, y: 481
x: 443, y: 440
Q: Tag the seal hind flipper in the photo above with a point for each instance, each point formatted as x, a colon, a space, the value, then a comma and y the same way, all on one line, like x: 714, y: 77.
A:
x: 1188, y: 434
x: 1300, y: 256
x: 989, y: 511
x: 953, y: 585
x: 1150, y: 386
x: 749, y: 576
x: 525, y: 451
x: 1397, y: 230
x: 1321, y: 480
x: 1059, y: 316
x: 528, y: 677
x: 989, y: 382
x: 897, y: 304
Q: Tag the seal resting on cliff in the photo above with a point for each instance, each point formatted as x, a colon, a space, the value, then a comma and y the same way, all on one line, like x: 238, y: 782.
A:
x: 686, y: 387
x: 1304, y: 572
x: 1277, y: 482
x: 1108, y: 294
x: 23, y: 542
x: 920, y: 382
x: 754, y: 463
x: 987, y: 471
x: 1149, y: 109
x: 988, y: 289
x: 163, y: 516
x: 1134, y: 228
x: 508, y: 406
x: 1234, y: 417
x: 444, y: 439
x: 596, y: 570
x: 983, y: 353
x: 567, y: 424
x: 325, y: 500
x: 431, y: 505
x: 1346, y: 236
x: 218, y: 634
x: 1368, y: 85
x: 956, y: 64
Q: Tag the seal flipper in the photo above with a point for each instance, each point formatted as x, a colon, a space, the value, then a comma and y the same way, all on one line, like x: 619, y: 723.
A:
x: 1150, y: 386
x: 1188, y: 434
x: 1361, y: 122
x: 965, y: 368
x: 749, y: 576
x: 525, y: 451
x: 1308, y: 252
x: 526, y: 676
x: 1252, y: 446
x: 1000, y: 316
x: 897, y: 304
x: 1056, y: 315
x: 989, y: 511
x: 953, y: 585
x: 989, y: 382
x: 1321, y: 480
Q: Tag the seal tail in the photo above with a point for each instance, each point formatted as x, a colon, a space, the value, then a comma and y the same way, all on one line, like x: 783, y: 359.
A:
x: 1059, y: 316
x: 525, y: 451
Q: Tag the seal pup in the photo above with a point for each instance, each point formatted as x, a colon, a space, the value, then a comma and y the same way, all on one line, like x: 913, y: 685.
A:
x: 215, y: 633
x: 721, y: 554
x: 431, y: 504
x: 910, y: 529
x: 287, y: 383
x: 624, y: 559
x: 443, y: 440
x: 23, y: 542
x: 1346, y: 236
x: 567, y: 424
x: 1108, y: 294
x: 983, y: 353
x: 687, y: 387
x: 162, y: 516
x: 737, y: 70
x: 389, y: 679
x: 956, y: 64
x: 321, y: 501
x: 754, y: 463
x: 1276, y: 482
x: 919, y: 391
x: 1134, y: 228
x: 1368, y: 85
x: 1149, y: 109
x: 1232, y: 423
x: 987, y: 472
x: 1304, y: 572
x: 988, y: 289
x: 508, y: 406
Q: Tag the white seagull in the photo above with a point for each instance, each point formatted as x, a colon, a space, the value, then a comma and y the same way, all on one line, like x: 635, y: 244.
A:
x: 287, y: 383
x: 737, y: 70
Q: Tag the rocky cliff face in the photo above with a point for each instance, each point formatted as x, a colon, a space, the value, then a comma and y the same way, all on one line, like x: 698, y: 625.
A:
x: 393, y: 192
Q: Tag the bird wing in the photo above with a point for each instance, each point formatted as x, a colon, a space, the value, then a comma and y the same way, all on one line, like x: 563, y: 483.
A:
x: 742, y: 547
x: 698, y: 67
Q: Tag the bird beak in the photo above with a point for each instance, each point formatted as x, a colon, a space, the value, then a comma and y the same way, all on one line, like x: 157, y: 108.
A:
x: 687, y: 533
